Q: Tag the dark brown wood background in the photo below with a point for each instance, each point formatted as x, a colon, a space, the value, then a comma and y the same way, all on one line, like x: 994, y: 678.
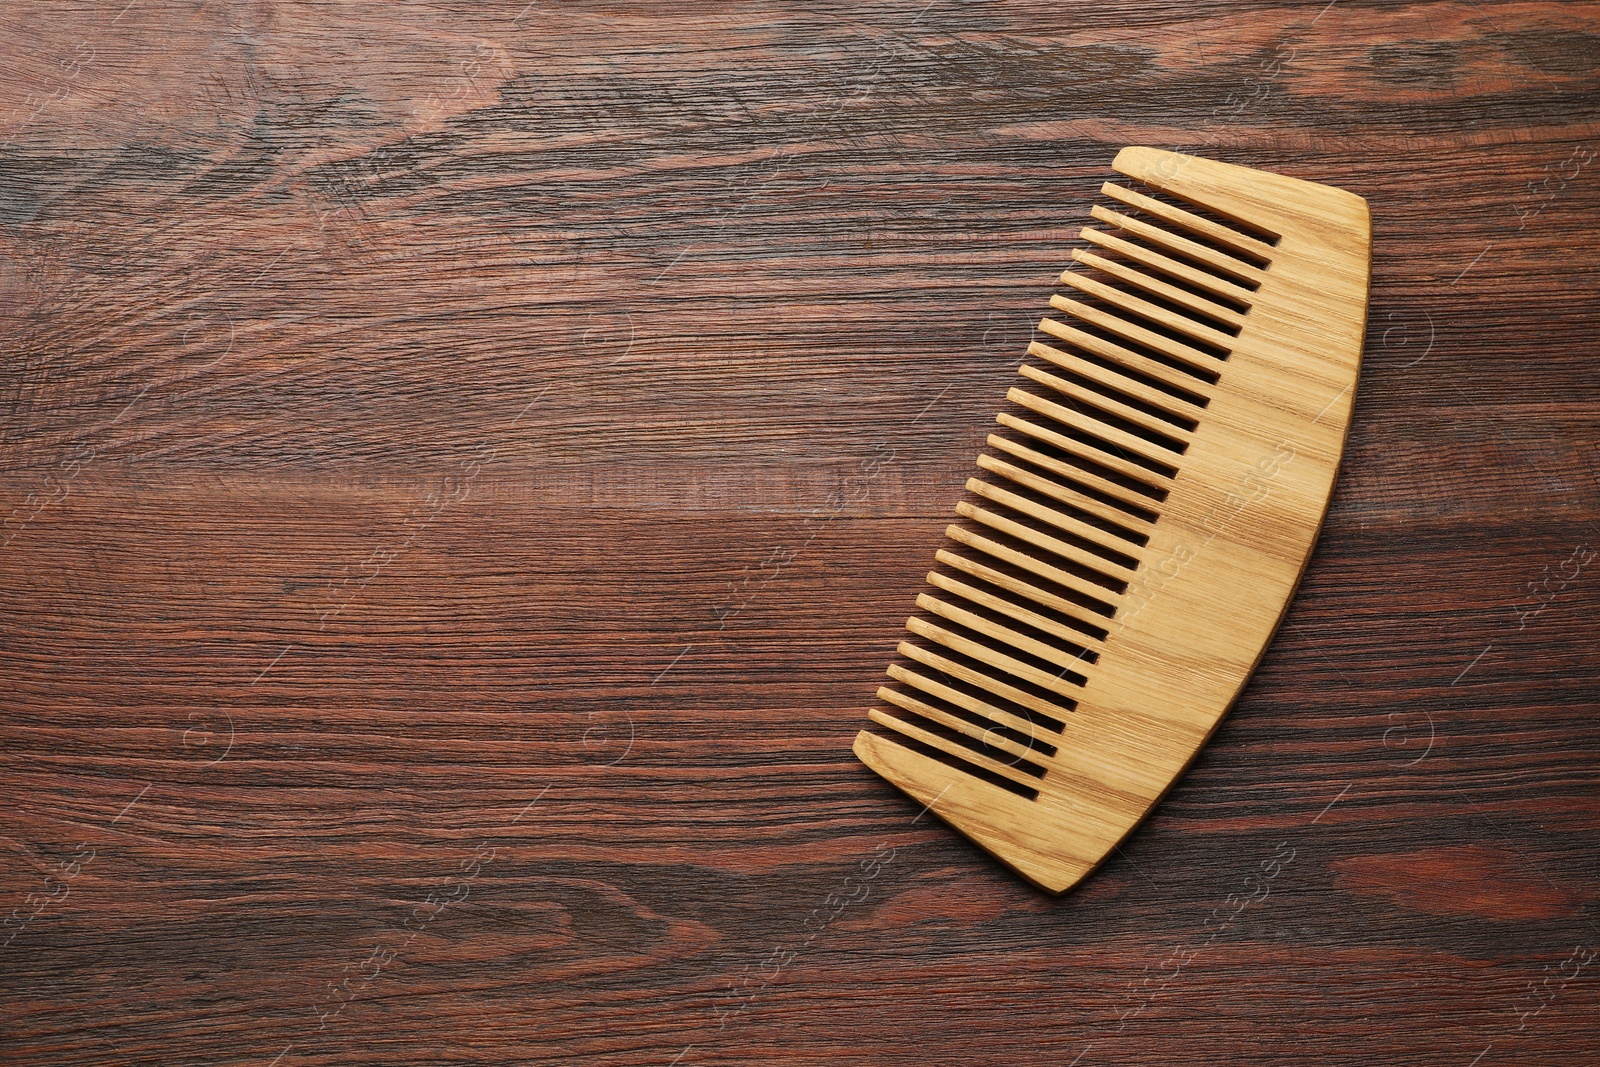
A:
x: 466, y: 465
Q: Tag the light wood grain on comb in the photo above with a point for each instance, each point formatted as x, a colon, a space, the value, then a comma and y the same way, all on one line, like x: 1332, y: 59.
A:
x: 1075, y: 652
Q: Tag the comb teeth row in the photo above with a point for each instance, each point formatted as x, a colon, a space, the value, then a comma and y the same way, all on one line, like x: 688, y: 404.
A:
x: 1127, y: 546
x: 1055, y: 529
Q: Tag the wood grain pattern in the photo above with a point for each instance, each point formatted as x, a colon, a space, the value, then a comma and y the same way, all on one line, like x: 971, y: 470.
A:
x: 415, y: 413
x: 1108, y: 598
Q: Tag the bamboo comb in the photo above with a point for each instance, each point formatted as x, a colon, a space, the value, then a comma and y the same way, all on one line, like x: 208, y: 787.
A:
x: 1142, y: 518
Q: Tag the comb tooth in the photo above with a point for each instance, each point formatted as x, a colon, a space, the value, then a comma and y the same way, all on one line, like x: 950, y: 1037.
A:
x: 1102, y: 539
x: 1125, y: 357
x: 1247, y: 247
x: 985, y: 682
x: 1133, y: 530
x: 1076, y: 612
x: 1069, y: 552
x: 1203, y: 362
x: 1138, y: 416
x: 984, y: 735
x: 1154, y: 312
x: 1225, y: 265
x: 1200, y: 279
x: 1175, y: 410
x: 1003, y: 634
x: 960, y: 752
x: 1120, y: 514
x: 1026, y: 616
x: 1182, y: 297
x: 1120, y: 510
x: 1125, y: 443
x: 981, y: 708
x: 1066, y: 579
x: 1143, y: 476
x: 1055, y: 683
x: 1065, y: 523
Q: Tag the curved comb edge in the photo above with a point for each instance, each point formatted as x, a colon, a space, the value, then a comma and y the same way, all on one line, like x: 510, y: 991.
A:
x: 1011, y: 829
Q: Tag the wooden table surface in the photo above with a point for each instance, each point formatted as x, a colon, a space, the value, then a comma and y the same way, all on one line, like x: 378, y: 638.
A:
x: 466, y: 467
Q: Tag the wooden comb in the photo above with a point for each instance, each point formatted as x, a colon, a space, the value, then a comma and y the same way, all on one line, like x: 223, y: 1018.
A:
x: 1143, y: 516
